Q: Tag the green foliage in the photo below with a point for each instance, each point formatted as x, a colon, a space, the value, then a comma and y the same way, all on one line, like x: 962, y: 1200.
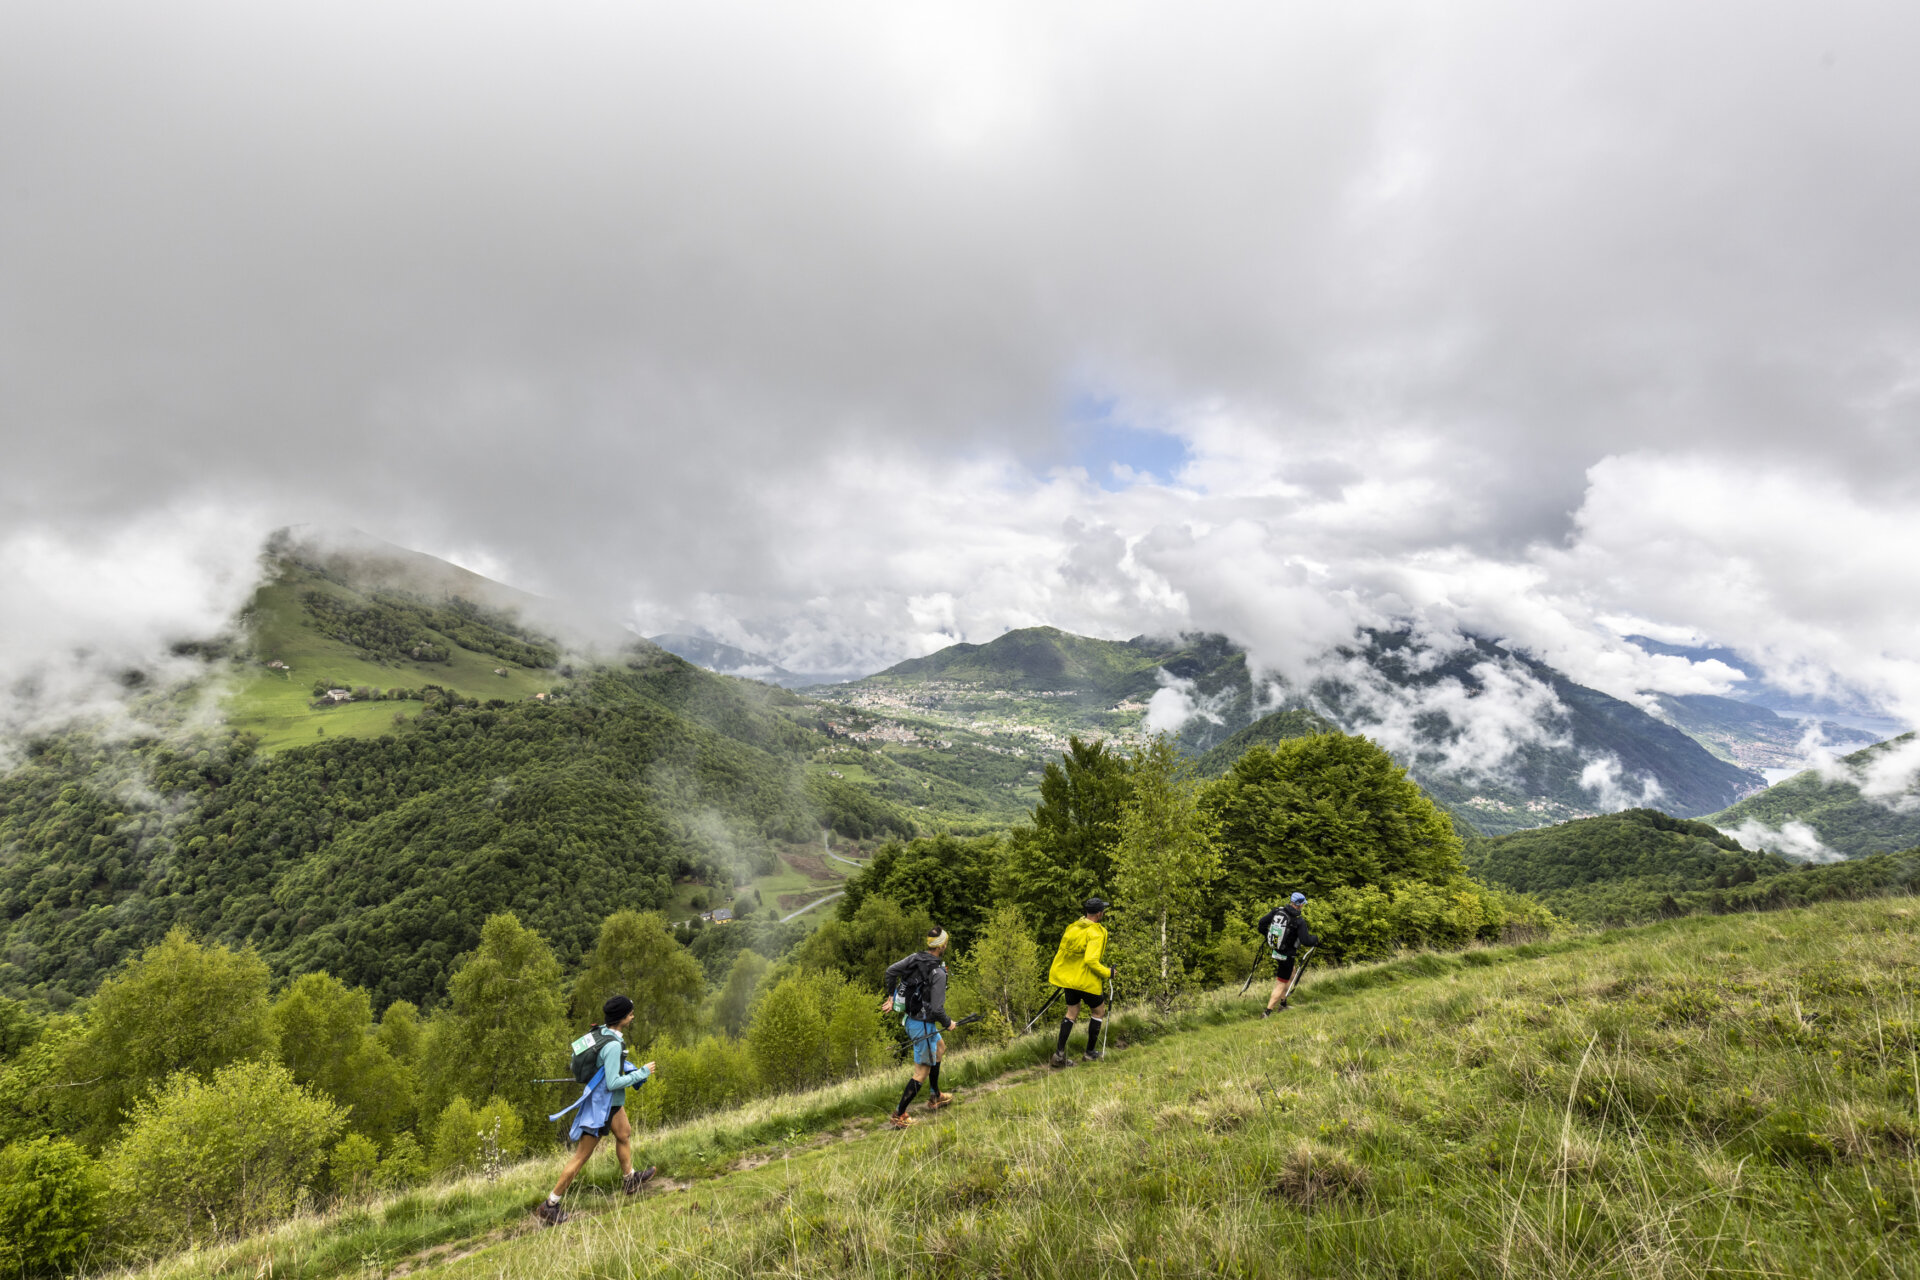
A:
x: 1318, y: 813
x: 393, y: 626
x: 637, y: 957
x: 1164, y: 867
x: 1066, y: 856
x: 1619, y: 867
x: 50, y: 1206
x: 854, y: 812
x: 788, y: 1035
x: 203, y: 1159
x: 1005, y: 967
x: 34, y: 1095
x: 506, y: 1026
x: 180, y: 1007
x: 326, y: 1036
x: 947, y: 878
x: 354, y: 1166
x: 1277, y: 726
x: 858, y: 1038
x: 862, y: 945
x: 466, y: 1139
x: 736, y: 997
x: 18, y: 1027
x: 403, y: 1165
x: 1833, y: 805
x: 709, y: 1075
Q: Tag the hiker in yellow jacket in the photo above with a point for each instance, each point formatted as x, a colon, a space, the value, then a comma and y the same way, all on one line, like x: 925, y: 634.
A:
x: 1077, y: 971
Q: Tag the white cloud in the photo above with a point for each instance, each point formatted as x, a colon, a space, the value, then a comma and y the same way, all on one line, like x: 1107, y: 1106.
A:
x: 1613, y: 789
x: 1793, y: 839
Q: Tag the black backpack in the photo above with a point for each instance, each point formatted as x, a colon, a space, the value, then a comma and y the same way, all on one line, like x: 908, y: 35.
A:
x: 586, y: 1053
x: 915, y: 982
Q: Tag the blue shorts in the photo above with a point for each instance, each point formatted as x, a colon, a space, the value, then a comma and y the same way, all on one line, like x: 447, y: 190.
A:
x: 926, y: 1041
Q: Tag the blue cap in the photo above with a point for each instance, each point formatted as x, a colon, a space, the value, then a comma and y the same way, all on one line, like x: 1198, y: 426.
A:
x: 1299, y: 898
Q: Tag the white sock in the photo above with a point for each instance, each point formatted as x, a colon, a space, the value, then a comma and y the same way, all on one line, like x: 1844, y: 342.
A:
x: 553, y: 1199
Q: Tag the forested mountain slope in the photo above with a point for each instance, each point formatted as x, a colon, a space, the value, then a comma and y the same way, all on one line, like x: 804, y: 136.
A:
x: 1043, y: 684
x: 1834, y: 807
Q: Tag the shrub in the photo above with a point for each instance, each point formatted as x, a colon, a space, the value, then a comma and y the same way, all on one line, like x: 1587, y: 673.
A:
x: 221, y: 1157
x: 788, y: 1036
x: 469, y: 1139
x: 49, y: 1206
x: 689, y: 1081
x: 354, y: 1163
x: 403, y: 1165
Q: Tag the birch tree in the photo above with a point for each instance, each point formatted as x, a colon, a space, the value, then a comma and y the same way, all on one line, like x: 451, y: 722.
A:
x: 1164, y: 867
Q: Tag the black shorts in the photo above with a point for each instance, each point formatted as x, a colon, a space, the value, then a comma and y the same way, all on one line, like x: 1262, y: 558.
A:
x: 1283, y: 969
x: 601, y: 1131
x: 1075, y: 997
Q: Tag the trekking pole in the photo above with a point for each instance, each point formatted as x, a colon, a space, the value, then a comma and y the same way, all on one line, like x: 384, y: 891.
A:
x: 1113, y: 1005
x: 1259, y: 959
x: 1043, y: 1009
x: 1300, y: 972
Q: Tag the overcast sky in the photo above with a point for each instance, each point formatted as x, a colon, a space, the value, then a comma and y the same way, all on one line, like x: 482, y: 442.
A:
x: 849, y: 330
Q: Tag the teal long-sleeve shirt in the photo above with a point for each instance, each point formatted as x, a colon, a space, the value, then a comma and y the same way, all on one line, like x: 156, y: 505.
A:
x: 618, y: 1084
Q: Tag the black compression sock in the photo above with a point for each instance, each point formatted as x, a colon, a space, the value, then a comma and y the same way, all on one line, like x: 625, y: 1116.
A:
x: 1093, y: 1035
x: 1066, y: 1029
x: 933, y: 1079
x: 906, y: 1096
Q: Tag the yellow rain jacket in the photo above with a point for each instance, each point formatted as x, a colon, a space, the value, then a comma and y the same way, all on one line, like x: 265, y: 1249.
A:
x: 1076, y: 965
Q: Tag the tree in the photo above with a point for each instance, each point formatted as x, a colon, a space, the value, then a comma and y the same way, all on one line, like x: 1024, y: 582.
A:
x: 207, y: 1159
x: 466, y: 1138
x: 735, y: 1004
x: 1322, y: 812
x: 1066, y: 856
x: 788, y: 1036
x: 947, y: 878
x: 1005, y: 965
x: 637, y: 956
x: 1164, y: 869
x: 862, y: 947
x: 505, y: 1027
x: 180, y: 1006
x: 326, y: 1035
x: 50, y: 1194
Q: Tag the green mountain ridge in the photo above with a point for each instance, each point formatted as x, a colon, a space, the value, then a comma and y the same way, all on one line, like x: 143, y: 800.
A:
x: 1845, y: 819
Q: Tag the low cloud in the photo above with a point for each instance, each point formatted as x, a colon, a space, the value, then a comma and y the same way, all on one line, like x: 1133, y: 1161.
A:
x: 1792, y: 839
x: 1614, y: 789
x: 1178, y: 701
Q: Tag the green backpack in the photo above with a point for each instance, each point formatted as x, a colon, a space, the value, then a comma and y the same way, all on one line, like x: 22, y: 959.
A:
x: 586, y: 1053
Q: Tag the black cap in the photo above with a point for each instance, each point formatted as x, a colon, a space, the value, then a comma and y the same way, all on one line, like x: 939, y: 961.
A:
x: 616, y: 1008
x: 1094, y: 906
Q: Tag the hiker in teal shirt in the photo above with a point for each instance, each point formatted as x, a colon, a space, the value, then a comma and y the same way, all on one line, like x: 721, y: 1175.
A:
x: 602, y: 1107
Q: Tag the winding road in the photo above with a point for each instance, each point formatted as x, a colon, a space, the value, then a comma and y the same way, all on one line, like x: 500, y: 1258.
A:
x: 811, y: 905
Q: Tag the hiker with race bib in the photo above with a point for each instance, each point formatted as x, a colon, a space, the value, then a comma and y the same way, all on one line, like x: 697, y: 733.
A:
x: 1285, y: 931
x: 917, y: 988
x: 1081, y: 977
x: 599, y: 1064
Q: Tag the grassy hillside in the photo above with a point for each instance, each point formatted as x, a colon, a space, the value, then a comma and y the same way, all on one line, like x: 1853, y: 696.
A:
x: 1844, y: 819
x: 1663, y: 1101
x: 279, y: 706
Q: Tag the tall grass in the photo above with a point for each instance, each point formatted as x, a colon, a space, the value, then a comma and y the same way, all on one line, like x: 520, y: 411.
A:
x: 1713, y: 1096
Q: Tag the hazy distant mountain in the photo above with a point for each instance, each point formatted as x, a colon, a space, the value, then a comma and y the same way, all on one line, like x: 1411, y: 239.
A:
x: 1750, y: 735
x: 729, y: 660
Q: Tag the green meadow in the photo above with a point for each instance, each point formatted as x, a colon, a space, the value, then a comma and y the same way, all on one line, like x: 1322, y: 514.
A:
x: 278, y: 705
x: 1713, y: 1095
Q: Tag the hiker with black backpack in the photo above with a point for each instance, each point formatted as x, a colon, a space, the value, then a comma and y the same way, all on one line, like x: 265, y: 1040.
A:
x: 917, y: 987
x: 1285, y: 931
x: 1079, y: 973
x: 599, y: 1064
